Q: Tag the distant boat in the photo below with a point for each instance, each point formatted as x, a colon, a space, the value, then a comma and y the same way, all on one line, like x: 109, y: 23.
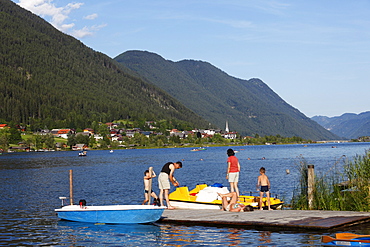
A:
x: 82, y: 153
x: 111, y: 151
x: 198, y: 149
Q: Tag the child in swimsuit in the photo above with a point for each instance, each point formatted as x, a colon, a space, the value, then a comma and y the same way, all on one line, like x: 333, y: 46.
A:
x: 263, y: 183
x: 147, y: 194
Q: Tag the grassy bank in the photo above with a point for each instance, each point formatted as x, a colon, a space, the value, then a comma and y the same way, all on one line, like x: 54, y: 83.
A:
x: 344, y: 187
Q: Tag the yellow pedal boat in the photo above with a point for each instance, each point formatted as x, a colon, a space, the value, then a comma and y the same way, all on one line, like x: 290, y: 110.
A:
x: 206, y: 197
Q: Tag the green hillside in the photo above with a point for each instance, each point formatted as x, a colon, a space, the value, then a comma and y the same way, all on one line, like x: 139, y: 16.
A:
x: 48, y: 78
x: 249, y: 106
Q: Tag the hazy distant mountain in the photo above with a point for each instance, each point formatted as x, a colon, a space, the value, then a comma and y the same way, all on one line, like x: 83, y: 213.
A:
x: 348, y: 125
x: 50, y: 79
x: 249, y: 106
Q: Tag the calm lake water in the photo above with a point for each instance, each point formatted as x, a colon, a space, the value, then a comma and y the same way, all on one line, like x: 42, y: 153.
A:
x: 32, y: 182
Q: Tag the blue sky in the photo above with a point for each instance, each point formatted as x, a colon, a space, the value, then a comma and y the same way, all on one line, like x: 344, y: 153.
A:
x: 314, y: 54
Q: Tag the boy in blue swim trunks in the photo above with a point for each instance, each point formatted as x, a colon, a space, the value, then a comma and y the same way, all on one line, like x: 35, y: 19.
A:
x: 264, y: 184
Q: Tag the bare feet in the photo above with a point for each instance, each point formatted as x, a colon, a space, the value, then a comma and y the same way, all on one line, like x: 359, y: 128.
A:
x: 170, y: 207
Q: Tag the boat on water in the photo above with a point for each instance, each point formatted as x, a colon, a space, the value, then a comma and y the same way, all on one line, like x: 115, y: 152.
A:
x: 198, y: 149
x: 346, y: 239
x: 107, y: 214
x: 111, y: 214
x: 206, y: 197
x: 82, y: 153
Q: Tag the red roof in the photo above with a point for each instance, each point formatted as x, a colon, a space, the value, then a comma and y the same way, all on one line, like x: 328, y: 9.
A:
x: 63, y: 131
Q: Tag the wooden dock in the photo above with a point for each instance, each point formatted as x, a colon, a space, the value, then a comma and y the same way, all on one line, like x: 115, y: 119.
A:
x: 276, y: 219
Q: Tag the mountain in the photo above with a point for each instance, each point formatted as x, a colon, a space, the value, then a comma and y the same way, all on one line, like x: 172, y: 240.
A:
x: 348, y: 125
x: 51, y: 79
x: 249, y: 106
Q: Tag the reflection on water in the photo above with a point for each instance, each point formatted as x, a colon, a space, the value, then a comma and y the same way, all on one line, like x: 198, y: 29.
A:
x: 235, y: 236
x: 32, y: 182
x: 107, y: 234
x: 265, y: 237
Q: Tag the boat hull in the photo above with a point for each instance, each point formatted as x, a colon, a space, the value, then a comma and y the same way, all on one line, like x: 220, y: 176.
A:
x: 111, y: 214
x: 345, y: 243
x: 194, y: 205
x: 205, y: 197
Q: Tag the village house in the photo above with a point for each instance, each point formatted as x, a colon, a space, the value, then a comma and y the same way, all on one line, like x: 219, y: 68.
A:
x: 3, y: 126
x: 63, y: 133
x: 89, y: 130
x: 112, y: 125
x: 230, y: 135
x: 79, y: 147
x: 98, y: 137
x: 150, y: 124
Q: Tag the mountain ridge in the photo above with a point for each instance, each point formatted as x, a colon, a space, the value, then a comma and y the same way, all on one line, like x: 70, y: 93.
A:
x: 348, y: 125
x: 249, y: 106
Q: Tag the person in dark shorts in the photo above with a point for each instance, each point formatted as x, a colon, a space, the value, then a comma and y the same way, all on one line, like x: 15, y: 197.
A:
x: 263, y: 185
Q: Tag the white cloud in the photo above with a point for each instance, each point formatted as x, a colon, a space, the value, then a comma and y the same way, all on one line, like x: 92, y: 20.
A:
x: 86, y: 31
x: 91, y: 17
x: 82, y: 32
x: 59, y: 15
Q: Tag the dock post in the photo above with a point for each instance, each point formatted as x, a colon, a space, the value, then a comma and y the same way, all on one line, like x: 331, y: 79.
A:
x: 71, y: 187
x: 150, y: 185
x: 310, y: 184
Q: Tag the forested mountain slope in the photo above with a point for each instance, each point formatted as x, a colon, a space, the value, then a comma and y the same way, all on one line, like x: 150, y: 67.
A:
x: 249, y: 106
x: 51, y: 79
x: 348, y: 125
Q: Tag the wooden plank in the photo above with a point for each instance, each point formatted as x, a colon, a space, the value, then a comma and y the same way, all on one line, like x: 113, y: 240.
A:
x: 278, y: 219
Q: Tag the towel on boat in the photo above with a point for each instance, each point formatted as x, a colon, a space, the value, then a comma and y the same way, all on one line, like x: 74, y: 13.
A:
x: 209, y: 194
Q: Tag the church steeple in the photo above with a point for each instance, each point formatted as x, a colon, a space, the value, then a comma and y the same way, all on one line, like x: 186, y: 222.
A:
x: 227, y: 127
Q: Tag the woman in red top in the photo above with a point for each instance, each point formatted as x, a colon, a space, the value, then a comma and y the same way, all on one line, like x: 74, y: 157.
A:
x: 233, y: 169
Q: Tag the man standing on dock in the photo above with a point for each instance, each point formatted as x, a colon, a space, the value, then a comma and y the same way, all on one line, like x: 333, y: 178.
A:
x: 164, y: 179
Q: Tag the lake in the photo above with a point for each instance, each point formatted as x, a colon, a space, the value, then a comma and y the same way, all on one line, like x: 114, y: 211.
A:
x: 31, y: 184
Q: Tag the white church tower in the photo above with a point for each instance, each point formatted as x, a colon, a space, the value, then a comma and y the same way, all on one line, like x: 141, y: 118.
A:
x: 227, y: 127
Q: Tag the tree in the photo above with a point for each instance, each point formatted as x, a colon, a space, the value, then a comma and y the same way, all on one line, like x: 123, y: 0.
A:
x: 4, y: 140
x: 14, y: 134
x: 71, y: 141
x: 217, y: 138
x: 82, y: 139
x: 49, y: 141
x: 38, y: 140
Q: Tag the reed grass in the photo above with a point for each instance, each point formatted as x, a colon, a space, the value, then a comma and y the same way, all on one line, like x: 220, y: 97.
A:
x: 344, y: 187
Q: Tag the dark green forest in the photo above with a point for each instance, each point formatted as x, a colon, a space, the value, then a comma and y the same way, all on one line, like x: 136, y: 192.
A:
x: 50, y: 79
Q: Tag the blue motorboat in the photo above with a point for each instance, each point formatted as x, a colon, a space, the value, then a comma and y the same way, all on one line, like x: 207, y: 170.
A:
x: 111, y: 214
